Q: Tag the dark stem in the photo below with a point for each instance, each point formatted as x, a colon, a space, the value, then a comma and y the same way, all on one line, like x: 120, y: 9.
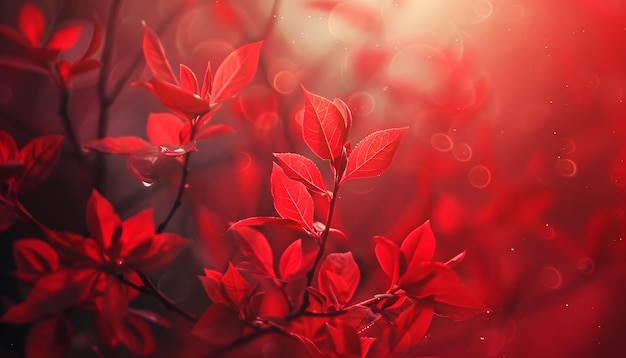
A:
x: 123, y: 79
x: 320, y: 254
x: 64, y: 113
x: 243, y: 340
x: 148, y: 288
x: 103, y: 119
x: 179, y: 196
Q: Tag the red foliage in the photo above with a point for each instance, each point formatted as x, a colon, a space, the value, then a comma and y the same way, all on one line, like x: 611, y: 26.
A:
x: 296, y: 277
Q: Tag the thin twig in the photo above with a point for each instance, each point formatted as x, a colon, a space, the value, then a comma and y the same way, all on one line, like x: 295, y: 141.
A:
x: 148, y: 288
x: 179, y: 196
x: 320, y: 253
x: 103, y: 119
x: 243, y: 340
x: 64, y: 113
x: 137, y: 60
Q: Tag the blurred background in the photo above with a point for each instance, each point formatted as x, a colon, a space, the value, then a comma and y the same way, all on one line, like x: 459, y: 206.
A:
x: 515, y: 150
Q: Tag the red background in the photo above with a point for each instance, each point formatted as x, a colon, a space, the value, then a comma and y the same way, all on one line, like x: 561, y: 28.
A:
x: 515, y: 150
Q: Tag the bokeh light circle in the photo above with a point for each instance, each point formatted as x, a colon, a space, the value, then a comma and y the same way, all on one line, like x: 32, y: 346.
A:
x: 362, y: 103
x: 550, y: 277
x: 566, y: 167
x: 479, y: 176
x: 441, y: 142
x: 462, y: 152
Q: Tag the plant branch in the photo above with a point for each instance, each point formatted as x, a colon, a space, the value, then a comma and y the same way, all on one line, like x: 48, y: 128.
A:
x: 320, y: 253
x: 123, y: 79
x: 179, y: 196
x: 64, y: 113
x: 151, y: 290
x: 243, y: 340
x: 103, y: 119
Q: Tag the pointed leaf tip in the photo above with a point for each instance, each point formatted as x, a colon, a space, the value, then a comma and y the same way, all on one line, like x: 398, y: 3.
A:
x: 374, y: 154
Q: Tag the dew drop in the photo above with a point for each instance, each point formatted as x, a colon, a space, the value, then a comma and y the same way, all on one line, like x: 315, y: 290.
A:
x: 146, y: 184
x: 462, y: 152
x: 480, y: 176
x: 441, y: 142
x: 550, y: 277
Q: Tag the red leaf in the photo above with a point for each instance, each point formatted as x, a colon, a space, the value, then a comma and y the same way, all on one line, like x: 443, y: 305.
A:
x: 137, y: 236
x: 274, y: 304
x: 155, y: 56
x: 117, y: 145
x: 179, y: 100
x: 207, y: 82
x: 236, y: 72
x: 411, y: 326
x: 428, y: 279
x: 137, y: 336
x: 164, y: 249
x: 345, y: 113
x: 302, y: 169
x: 388, y: 255
x: 50, y: 337
x: 373, y: 155
x: 8, y: 147
x: 212, y: 283
x: 271, y: 221
x: 96, y: 40
x: 219, y: 325
x: 459, y: 304
x: 33, y: 258
x: 39, y: 157
x: 64, y: 38
x: 338, y: 278
x: 255, y: 248
x: 456, y: 259
x: 323, y: 126
x: 188, y: 79
x: 343, y: 339
x: 215, y: 130
x: 115, y: 303
x: 235, y: 286
x: 164, y: 128
x: 10, y: 170
x: 419, y: 245
x: 295, y: 262
x: 146, y: 164
x: 102, y: 221
x: 291, y: 199
x: 22, y: 64
x: 84, y: 65
x: 53, y: 293
x: 31, y: 23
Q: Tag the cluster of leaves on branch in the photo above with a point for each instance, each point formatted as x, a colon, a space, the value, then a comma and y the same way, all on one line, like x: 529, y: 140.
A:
x: 307, y: 293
